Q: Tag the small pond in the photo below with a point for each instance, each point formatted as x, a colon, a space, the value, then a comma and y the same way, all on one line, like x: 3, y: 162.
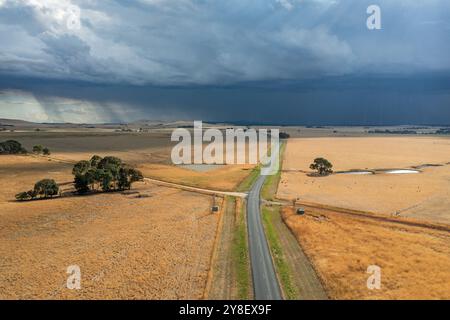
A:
x: 356, y: 172
x: 402, y: 171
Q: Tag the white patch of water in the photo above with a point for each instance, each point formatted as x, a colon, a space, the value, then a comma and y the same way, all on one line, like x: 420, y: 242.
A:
x: 357, y: 172
x: 402, y: 171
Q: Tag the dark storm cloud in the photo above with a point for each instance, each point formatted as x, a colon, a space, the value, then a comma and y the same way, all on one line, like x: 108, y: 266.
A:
x: 424, y: 99
x: 297, y: 61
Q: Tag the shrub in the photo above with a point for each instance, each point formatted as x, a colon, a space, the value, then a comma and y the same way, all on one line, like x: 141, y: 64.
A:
x: 22, y: 196
x: 44, y: 188
x: 38, y: 149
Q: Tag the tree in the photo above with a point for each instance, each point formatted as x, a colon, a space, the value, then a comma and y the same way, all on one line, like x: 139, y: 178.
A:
x: 38, y: 149
x: 90, y: 176
x: 46, y: 188
x: 32, y: 194
x: 108, y: 162
x: 81, y: 167
x: 123, y: 181
x: 46, y: 151
x: 111, y: 165
x: 98, y: 177
x: 106, y: 179
x: 81, y: 183
x: 284, y: 135
x: 322, y: 165
x: 95, y: 160
x: 136, y: 175
x: 128, y: 175
x: 11, y: 147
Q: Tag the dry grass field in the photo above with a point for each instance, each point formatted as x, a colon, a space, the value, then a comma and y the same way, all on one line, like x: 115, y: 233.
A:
x: 153, y: 247
x: 225, y: 178
x: 134, y: 148
x: 150, y: 152
x: 341, y: 243
x: 414, y: 261
x: 127, y: 247
x: 425, y: 195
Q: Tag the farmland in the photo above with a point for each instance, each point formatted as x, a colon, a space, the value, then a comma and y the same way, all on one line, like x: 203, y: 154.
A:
x: 425, y: 195
x: 398, y: 222
x: 152, y: 242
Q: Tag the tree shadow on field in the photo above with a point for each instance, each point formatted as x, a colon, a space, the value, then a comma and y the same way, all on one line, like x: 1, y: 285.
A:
x: 317, y: 175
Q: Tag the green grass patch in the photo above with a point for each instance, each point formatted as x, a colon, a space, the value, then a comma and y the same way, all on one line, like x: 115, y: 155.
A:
x: 270, y: 186
x: 283, y: 270
x: 248, y: 182
x: 241, y: 256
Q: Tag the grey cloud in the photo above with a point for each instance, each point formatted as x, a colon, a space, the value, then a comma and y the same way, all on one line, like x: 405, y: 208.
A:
x: 192, y: 42
x: 282, y: 61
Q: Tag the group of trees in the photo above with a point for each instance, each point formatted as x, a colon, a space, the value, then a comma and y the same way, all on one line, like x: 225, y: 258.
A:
x: 15, y: 147
x: 40, y: 149
x: 11, y: 147
x: 108, y: 174
x: 46, y: 188
x: 284, y: 135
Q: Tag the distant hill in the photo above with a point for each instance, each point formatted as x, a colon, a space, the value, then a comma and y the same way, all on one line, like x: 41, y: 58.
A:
x: 13, y: 124
x: 17, y: 123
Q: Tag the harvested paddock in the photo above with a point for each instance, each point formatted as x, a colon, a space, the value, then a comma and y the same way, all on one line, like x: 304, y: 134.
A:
x: 154, y: 244
x: 150, y: 152
x: 225, y: 178
x: 134, y: 148
x: 127, y: 247
x: 423, y: 196
x: 414, y: 261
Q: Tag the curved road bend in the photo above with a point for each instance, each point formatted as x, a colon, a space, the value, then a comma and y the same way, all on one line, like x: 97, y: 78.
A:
x: 265, y: 282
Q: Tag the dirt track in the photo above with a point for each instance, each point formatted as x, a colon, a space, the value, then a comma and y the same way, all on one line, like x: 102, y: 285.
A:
x: 319, y: 208
x: 305, y: 277
x: 223, y: 281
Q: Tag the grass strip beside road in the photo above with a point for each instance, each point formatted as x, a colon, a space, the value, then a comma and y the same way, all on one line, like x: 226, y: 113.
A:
x: 284, y: 272
x: 269, y: 189
x: 241, y: 255
x: 249, y: 180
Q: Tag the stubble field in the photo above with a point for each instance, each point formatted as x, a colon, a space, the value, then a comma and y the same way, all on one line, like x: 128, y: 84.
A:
x: 425, y: 195
x: 414, y: 261
x: 149, y: 152
x: 152, y: 243
x: 399, y: 222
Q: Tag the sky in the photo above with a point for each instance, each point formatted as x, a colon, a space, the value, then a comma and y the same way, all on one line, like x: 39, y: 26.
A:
x: 312, y: 62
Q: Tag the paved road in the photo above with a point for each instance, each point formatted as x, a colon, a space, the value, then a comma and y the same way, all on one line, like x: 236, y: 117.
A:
x: 265, y: 283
